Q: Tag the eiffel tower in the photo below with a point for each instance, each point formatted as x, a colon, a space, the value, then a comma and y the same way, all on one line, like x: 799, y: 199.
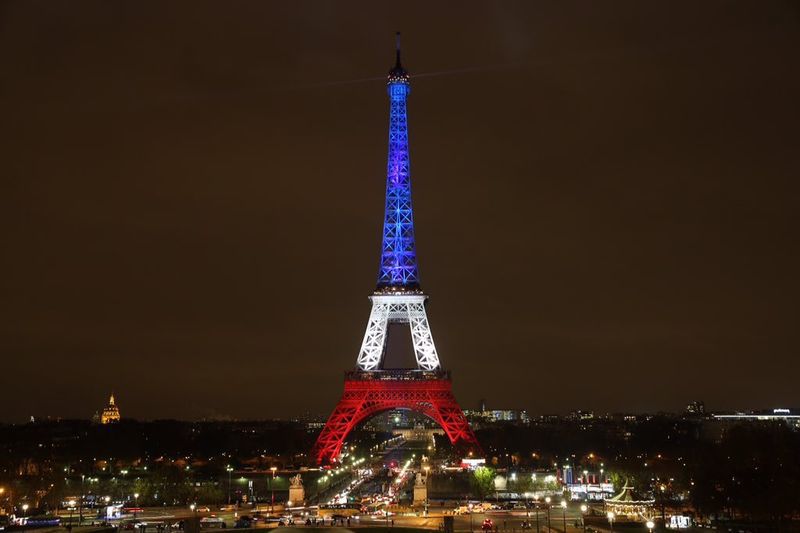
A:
x: 371, y: 389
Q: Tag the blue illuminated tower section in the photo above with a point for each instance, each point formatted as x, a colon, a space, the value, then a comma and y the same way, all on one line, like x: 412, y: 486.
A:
x: 398, y: 270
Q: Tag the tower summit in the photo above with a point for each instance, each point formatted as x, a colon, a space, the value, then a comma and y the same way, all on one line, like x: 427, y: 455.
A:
x: 373, y: 389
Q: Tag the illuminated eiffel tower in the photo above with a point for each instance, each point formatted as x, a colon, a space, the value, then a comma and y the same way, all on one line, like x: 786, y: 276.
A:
x: 398, y: 298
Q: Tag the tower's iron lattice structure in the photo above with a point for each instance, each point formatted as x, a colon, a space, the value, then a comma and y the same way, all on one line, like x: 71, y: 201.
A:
x: 398, y: 298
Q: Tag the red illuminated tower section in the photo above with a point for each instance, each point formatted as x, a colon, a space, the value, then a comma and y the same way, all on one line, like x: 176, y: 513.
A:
x: 398, y: 298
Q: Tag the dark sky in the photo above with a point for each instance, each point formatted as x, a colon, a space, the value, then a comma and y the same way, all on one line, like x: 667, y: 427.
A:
x: 606, y: 201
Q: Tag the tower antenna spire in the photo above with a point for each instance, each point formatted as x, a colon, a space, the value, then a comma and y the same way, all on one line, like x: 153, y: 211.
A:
x: 397, y: 45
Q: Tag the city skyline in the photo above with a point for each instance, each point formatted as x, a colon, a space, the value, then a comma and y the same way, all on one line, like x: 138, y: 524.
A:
x: 604, y: 206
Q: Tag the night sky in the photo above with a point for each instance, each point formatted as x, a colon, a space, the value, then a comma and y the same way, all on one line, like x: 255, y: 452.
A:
x: 606, y: 202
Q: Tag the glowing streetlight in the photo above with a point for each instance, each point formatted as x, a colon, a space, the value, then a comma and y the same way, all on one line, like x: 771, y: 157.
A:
x: 272, y: 489
x: 650, y: 525
x: 24, y: 509
x: 610, y: 516
x: 71, y: 505
x: 547, y: 501
x: 230, y: 470
x: 564, y: 511
x: 584, y: 508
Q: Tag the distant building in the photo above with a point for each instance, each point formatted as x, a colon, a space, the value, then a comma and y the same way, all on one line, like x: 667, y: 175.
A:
x: 491, y: 416
x: 110, y: 412
x: 507, y: 415
x: 789, y: 416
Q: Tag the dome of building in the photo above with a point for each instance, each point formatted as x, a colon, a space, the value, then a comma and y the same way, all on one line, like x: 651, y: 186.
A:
x: 110, y: 412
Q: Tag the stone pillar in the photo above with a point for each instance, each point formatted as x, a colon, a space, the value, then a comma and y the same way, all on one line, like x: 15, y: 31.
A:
x: 420, y: 490
x: 297, y: 493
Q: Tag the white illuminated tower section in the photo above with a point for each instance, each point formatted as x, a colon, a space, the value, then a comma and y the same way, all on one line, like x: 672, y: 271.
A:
x: 398, y: 298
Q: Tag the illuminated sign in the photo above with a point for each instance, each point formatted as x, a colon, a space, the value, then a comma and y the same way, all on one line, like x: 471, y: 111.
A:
x: 679, y: 522
x: 472, y: 464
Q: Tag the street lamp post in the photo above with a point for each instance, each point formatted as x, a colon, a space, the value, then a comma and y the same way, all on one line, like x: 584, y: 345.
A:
x: 71, y: 504
x: 584, y: 508
x: 427, y: 469
x: 610, y: 516
x: 564, y: 512
x: 547, y: 501
x: 650, y: 525
x: 135, y: 504
x: 586, y: 483
x: 80, y: 504
x: 272, y: 489
x: 230, y: 470
x: 537, y: 513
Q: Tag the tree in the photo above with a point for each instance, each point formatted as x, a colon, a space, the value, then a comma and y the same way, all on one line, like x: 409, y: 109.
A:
x: 482, y: 482
x: 520, y: 484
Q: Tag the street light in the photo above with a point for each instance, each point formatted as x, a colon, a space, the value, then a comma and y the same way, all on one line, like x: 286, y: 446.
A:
x: 80, y: 504
x: 584, y: 508
x: 427, y: 469
x: 610, y: 516
x: 135, y: 503
x: 24, y: 509
x: 71, y: 505
x: 547, y: 501
x: 650, y: 525
x: 564, y: 511
x: 536, y: 504
x: 586, y: 482
x: 229, y: 469
x: 272, y: 489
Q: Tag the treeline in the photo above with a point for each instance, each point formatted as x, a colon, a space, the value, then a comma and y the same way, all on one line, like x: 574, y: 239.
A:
x: 70, y: 441
x: 753, y: 473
